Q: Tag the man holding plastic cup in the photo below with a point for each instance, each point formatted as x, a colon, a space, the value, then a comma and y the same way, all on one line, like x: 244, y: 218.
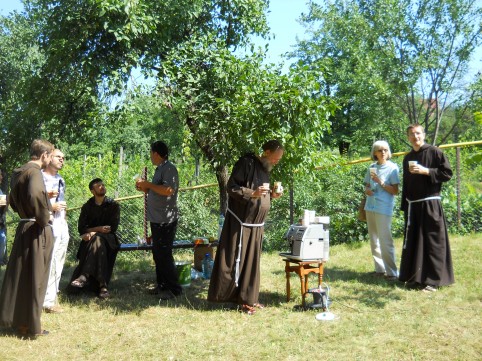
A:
x: 236, y: 272
x: 426, y: 258
x: 55, y: 186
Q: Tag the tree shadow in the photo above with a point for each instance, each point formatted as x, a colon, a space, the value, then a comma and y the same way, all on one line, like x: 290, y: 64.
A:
x: 364, y: 288
x: 373, y: 292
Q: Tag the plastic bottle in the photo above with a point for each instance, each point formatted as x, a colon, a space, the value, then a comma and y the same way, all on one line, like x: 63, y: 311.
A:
x: 221, y: 224
x: 207, y: 266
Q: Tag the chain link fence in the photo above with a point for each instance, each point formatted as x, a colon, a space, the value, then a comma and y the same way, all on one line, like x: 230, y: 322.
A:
x: 336, y: 193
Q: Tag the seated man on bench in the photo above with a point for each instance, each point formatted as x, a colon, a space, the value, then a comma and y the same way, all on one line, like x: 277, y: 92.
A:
x: 98, y: 222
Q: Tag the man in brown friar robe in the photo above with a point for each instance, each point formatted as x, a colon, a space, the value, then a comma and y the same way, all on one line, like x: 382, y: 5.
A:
x: 426, y: 258
x: 98, y: 222
x: 236, y: 272
x: 25, y: 281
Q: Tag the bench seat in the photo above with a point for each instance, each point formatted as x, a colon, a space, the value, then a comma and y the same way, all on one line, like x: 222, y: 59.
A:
x: 147, y: 247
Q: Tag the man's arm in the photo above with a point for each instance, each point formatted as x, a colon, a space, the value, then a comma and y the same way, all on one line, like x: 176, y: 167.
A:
x: 163, y: 190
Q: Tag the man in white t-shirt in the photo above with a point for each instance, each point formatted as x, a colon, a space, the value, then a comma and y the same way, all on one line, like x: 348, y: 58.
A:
x: 55, y: 186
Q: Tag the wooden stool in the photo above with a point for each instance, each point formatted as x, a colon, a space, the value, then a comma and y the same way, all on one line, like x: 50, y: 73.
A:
x: 302, y: 269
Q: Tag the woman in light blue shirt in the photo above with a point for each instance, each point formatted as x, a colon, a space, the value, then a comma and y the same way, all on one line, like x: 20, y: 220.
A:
x: 381, y: 186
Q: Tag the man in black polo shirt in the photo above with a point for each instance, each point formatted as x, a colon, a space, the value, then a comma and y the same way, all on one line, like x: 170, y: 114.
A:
x: 162, y: 213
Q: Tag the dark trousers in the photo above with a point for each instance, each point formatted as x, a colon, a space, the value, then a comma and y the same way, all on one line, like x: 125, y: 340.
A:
x: 163, y: 235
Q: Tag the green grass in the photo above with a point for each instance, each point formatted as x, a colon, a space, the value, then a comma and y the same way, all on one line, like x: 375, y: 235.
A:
x: 376, y: 319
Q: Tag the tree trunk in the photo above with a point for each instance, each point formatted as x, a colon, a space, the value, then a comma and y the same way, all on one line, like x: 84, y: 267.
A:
x: 343, y: 147
x: 222, y: 176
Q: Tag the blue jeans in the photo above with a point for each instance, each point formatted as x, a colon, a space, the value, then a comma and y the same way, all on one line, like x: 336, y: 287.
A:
x: 3, y: 246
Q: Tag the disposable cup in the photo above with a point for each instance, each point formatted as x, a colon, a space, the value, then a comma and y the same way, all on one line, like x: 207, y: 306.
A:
x: 277, y: 187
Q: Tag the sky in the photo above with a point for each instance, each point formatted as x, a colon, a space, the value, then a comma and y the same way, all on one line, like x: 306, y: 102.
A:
x: 282, y: 20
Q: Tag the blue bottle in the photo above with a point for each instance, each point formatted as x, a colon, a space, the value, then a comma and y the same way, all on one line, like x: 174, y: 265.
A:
x: 207, y: 266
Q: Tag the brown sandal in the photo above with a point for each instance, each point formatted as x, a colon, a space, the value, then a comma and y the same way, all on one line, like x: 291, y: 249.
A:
x: 104, y: 293
x: 79, y: 282
x: 250, y: 310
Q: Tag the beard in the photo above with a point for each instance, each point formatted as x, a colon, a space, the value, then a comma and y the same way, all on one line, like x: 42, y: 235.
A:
x: 266, y: 164
x: 100, y: 193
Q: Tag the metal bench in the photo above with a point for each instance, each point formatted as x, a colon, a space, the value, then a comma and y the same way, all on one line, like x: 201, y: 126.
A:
x: 147, y: 247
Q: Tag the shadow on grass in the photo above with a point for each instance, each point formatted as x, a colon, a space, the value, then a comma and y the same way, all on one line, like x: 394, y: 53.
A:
x: 129, y: 294
x: 360, y: 287
x: 363, y: 288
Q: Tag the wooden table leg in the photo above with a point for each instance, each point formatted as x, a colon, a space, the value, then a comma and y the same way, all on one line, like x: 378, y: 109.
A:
x: 320, y: 274
x: 303, y: 290
x: 288, y: 271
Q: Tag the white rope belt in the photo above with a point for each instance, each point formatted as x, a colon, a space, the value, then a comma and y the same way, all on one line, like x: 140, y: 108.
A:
x: 410, y: 211
x: 33, y: 220
x: 236, y: 276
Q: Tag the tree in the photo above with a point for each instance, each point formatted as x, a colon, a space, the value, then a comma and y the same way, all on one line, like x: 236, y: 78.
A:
x: 231, y: 105
x: 87, y: 50
x: 385, y: 58
x: 188, y: 46
x: 35, y: 104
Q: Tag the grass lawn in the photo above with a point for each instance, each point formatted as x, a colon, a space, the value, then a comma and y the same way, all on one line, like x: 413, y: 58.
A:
x: 375, y: 319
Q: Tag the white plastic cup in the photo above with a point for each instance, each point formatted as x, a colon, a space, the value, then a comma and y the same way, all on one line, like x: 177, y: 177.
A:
x: 277, y: 187
x: 373, y: 171
x: 411, y: 164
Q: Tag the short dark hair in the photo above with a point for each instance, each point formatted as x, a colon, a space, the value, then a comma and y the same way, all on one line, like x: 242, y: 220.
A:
x: 160, y: 148
x: 414, y: 125
x: 39, y: 147
x: 272, y: 145
x: 94, y: 181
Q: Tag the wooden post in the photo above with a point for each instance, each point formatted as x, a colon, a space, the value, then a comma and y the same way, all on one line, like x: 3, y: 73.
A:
x: 119, y: 172
x: 457, y: 174
x: 147, y: 239
x: 292, y: 201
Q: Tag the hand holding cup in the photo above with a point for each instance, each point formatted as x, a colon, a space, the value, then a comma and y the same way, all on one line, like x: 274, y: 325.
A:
x: 53, y: 193
x: 278, y: 188
x: 265, y: 187
x: 411, y: 165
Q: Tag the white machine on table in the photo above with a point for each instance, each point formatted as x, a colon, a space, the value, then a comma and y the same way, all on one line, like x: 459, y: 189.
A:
x: 309, y: 245
x: 308, y: 242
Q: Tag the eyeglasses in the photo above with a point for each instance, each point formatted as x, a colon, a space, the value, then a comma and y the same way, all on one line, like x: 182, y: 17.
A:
x: 382, y: 150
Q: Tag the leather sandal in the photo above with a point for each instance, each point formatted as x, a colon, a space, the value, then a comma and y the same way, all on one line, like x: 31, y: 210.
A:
x: 79, y: 282
x: 104, y: 293
x: 250, y: 310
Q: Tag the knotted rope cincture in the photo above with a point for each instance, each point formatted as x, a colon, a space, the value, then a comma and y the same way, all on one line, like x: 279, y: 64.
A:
x: 238, y: 259
x: 410, y: 210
